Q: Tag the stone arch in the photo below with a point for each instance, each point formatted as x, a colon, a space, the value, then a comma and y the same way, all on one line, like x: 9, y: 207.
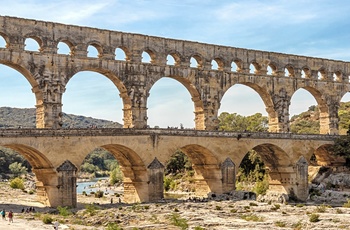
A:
x: 199, y: 59
x: 123, y: 92
x: 322, y: 106
x: 279, y: 167
x: 35, y: 38
x: 256, y: 65
x: 220, y: 63
x: 97, y: 45
x: 71, y: 45
x: 338, y: 76
x: 196, y: 98
x: 43, y: 169
x: 322, y: 74
x: 6, y: 39
x: 325, y: 157
x: 208, y: 173
x: 239, y: 65
x: 126, y: 51
x: 306, y: 72
x: 177, y: 57
x: 266, y: 98
x: 272, y: 155
x: 290, y: 69
x: 152, y: 54
x: 273, y: 67
x: 134, y: 172
x: 39, y: 96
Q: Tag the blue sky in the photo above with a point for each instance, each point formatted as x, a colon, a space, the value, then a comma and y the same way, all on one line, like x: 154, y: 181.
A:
x: 311, y: 28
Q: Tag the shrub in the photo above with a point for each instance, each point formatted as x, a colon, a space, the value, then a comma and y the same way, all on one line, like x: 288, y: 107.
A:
x: 47, y: 219
x: 113, y: 226
x: 347, y: 205
x: 64, y: 211
x: 99, y: 194
x: 91, y: 209
x: 17, y: 183
x: 218, y: 207
x: 280, y: 224
x: 252, y: 217
x: 198, y: 228
x: 178, y: 221
x: 314, y: 217
x: 321, y: 208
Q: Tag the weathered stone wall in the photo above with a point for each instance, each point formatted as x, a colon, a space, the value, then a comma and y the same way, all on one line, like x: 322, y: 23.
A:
x: 49, y: 72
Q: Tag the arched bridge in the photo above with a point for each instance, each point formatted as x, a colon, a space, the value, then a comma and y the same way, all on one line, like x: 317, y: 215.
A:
x: 274, y: 76
x: 57, y: 154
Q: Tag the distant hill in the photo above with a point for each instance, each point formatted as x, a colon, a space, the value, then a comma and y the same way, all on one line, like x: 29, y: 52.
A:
x: 25, y: 118
x: 309, y: 121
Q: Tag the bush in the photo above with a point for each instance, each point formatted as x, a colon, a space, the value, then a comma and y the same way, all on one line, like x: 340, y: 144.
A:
x: 314, y: 217
x: 64, y: 211
x: 113, y: 226
x: 347, y: 205
x: 178, y: 221
x: 99, y: 194
x: 17, y: 183
x: 47, y: 219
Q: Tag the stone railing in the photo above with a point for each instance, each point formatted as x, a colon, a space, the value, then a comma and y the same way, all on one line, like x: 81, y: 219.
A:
x: 166, y: 132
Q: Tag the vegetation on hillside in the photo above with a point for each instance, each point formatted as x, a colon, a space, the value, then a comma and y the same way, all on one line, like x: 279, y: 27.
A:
x: 25, y: 118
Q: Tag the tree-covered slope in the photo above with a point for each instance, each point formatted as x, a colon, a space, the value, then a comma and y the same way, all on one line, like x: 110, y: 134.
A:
x: 25, y: 118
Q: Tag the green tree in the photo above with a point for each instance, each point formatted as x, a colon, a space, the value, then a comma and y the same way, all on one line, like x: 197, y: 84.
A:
x: 238, y: 123
x: 178, y: 162
x: 116, y: 176
x: 17, y: 169
x: 341, y: 148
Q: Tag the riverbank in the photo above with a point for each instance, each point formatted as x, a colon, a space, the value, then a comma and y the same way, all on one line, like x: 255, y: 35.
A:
x: 221, y: 213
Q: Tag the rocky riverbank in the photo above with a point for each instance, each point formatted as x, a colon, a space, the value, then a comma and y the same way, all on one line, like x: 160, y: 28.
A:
x: 217, y: 213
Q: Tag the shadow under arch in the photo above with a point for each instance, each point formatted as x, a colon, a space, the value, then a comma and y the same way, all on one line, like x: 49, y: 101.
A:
x: 123, y: 92
x: 325, y: 157
x: 134, y: 172
x: 195, y: 95
x: 279, y: 168
x: 322, y: 107
x: 45, y: 172
x: 207, y: 171
x: 267, y: 100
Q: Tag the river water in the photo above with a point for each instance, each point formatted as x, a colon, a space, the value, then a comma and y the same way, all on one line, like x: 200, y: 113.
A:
x: 90, y: 186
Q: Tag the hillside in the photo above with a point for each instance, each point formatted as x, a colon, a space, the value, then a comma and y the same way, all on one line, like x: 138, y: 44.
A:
x: 308, y: 122
x: 25, y: 118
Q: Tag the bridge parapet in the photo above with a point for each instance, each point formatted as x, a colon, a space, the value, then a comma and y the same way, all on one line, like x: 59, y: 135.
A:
x: 164, y: 132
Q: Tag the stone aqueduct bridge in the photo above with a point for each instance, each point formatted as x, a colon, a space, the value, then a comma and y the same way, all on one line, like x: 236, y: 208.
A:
x: 49, y: 72
x: 55, y: 154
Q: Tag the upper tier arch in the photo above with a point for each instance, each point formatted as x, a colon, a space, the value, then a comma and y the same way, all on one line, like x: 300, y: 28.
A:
x: 51, y: 70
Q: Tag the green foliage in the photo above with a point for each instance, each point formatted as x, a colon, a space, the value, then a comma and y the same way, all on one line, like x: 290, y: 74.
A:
x: 17, y: 169
x: 261, y: 187
x: 99, y: 194
x: 252, y: 217
x: 314, y: 217
x: 305, y: 126
x: 113, y: 226
x: 47, y: 219
x: 91, y: 209
x: 341, y: 148
x: 280, y: 224
x: 198, y: 228
x: 64, y: 211
x: 176, y: 220
x: 252, y: 168
x: 115, y: 176
x: 17, y: 183
x: 178, y: 162
x: 9, y: 156
x: 238, y: 123
x: 347, y: 204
